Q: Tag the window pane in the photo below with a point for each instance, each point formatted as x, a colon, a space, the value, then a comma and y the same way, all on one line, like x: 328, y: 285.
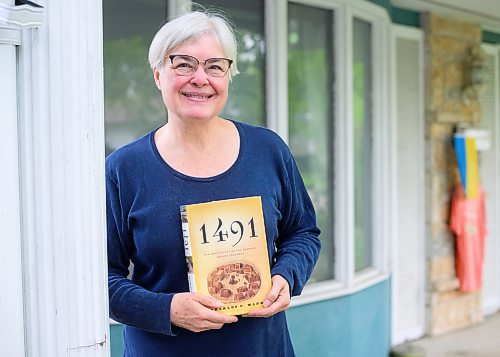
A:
x: 310, y: 83
x: 247, y: 91
x: 363, y: 143
x: 132, y: 103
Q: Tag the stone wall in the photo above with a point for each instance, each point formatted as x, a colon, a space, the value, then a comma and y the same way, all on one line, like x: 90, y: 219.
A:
x: 447, y: 44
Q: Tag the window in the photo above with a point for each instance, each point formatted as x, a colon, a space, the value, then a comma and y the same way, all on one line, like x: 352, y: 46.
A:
x: 247, y: 91
x: 132, y: 103
x: 310, y: 113
x: 362, y: 143
x: 339, y: 132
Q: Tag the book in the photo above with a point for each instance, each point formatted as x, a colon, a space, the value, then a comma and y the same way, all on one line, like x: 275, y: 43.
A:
x: 226, y: 252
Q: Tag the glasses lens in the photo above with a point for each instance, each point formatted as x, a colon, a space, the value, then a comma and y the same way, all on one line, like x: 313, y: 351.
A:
x: 184, y: 65
x: 217, y: 67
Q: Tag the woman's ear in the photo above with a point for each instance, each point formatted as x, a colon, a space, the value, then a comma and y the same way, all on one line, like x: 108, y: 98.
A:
x: 156, y: 75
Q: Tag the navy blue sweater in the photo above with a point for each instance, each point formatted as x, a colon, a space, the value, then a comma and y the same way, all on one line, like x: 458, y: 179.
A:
x: 144, y: 227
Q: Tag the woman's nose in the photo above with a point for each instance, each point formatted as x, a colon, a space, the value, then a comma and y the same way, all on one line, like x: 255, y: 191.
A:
x: 200, y: 77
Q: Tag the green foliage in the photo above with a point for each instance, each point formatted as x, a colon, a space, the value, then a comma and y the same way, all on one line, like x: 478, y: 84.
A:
x: 362, y: 166
x: 246, y: 99
x: 132, y: 103
x: 129, y: 84
x: 310, y: 131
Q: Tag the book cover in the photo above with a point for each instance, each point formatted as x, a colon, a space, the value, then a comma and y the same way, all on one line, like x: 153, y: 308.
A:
x: 226, y: 252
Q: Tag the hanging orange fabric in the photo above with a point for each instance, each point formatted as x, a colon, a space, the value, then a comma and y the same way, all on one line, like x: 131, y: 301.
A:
x: 468, y: 222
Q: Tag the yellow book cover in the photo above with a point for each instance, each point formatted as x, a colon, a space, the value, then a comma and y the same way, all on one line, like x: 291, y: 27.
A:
x: 226, y: 252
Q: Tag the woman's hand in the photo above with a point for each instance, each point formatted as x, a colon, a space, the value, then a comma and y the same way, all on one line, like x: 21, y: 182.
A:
x: 193, y: 312
x: 278, y: 299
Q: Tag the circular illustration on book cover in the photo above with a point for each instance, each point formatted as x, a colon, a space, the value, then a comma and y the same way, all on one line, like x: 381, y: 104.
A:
x: 233, y: 282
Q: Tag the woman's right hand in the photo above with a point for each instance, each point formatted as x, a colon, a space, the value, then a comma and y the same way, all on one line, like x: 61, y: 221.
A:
x: 193, y: 312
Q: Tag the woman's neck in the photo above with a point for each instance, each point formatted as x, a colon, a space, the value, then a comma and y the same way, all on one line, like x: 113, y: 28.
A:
x: 200, y: 150
x: 193, y: 135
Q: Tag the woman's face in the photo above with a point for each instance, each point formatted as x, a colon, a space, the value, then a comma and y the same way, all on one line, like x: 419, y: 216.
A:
x: 196, y: 96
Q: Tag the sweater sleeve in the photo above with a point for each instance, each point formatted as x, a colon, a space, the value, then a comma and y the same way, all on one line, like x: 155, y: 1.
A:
x: 298, y: 244
x: 129, y: 303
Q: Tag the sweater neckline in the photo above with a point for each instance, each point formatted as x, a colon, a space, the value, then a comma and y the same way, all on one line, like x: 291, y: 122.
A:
x: 183, y: 176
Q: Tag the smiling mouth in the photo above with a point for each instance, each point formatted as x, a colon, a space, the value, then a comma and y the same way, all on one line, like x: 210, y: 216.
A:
x: 198, y: 96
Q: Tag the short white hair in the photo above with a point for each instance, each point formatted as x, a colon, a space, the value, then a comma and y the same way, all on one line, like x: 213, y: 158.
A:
x: 189, y: 27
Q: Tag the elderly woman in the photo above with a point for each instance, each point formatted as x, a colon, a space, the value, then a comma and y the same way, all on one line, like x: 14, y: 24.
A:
x: 196, y: 157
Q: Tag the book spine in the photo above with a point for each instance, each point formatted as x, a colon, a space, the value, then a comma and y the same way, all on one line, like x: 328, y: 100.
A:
x: 187, y: 249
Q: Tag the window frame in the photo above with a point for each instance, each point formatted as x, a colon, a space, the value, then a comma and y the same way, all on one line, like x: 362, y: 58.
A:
x: 346, y: 280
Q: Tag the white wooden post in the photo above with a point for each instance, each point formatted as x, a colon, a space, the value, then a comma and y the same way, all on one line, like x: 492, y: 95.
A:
x: 58, y: 226
x: 11, y: 273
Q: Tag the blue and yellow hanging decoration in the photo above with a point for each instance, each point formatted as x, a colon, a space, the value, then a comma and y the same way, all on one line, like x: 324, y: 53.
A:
x: 466, y: 153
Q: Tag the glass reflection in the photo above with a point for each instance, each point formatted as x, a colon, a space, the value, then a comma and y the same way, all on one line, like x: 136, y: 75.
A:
x: 310, y: 108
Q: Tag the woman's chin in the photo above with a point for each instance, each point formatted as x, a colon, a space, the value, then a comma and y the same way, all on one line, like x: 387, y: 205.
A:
x: 198, y: 117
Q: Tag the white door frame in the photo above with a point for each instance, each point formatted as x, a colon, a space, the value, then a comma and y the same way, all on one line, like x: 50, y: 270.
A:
x: 399, y: 335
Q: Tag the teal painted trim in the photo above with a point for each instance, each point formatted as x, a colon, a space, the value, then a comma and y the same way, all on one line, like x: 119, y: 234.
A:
x: 383, y: 3
x: 491, y: 37
x: 350, y: 326
x: 116, y: 339
x: 405, y: 17
x: 398, y: 15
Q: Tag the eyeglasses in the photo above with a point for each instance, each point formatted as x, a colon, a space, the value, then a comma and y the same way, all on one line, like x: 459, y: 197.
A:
x: 185, y: 65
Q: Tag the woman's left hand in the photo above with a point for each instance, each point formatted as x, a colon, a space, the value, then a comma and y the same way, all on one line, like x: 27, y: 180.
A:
x: 278, y: 299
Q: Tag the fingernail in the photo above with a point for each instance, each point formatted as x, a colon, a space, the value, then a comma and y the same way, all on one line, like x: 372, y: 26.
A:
x: 266, y: 303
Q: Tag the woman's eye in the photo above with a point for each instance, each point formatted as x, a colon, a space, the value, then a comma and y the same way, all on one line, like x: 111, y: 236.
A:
x: 184, y: 65
x: 215, y: 68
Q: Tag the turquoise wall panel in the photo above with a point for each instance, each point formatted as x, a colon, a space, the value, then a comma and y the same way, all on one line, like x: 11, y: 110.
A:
x: 357, y: 325
x: 116, y: 332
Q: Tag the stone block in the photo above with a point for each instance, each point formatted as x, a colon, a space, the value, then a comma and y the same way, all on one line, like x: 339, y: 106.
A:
x: 454, y: 310
x: 440, y: 210
x: 438, y: 229
x: 472, y: 112
x: 441, y: 152
x: 450, y: 46
x: 430, y: 117
x: 454, y: 75
x: 453, y: 103
x: 466, y: 31
x: 436, y: 86
x: 441, y: 186
x: 452, y: 117
x: 441, y: 130
x: 445, y: 285
x: 440, y: 298
x: 442, y: 245
x: 442, y: 268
